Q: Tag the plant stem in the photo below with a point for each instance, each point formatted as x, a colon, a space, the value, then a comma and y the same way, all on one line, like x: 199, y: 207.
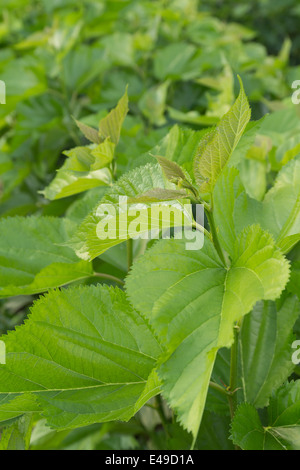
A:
x: 202, y: 229
x: 215, y: 236
x: 110, y: 278
x: 160, y: 410
x: 232, y: 397
x: 129, y: 253
x: 218, y: 387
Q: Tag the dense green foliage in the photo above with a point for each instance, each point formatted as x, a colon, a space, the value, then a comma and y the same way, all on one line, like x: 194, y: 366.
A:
x: 153, y: 345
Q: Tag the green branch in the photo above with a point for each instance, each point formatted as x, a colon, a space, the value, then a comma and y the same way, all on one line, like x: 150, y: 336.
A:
x: 109, y: 277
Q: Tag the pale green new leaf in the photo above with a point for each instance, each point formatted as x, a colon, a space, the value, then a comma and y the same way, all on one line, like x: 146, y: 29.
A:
x: 67, y: 183
x: 111, y: 125
x: 83, y: 170
x: 246, y: 142
x: 217, y: 148
x: 83, y: 356
x: 115, y: 220
x: 283, y: 430
x: 31, y: 260
x: 89, y: 133
x: 192, y: 302
x: 180, y: 145
x: 171, y: 169
x: 86, y: 167
x: 265, y: 344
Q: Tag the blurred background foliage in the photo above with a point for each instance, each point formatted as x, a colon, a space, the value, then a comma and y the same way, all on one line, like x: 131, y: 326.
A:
x: 272, y: 20
x: 63, y: 59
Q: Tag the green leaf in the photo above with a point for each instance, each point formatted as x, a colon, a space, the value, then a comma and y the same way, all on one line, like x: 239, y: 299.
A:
x: 265, y: 349
x: 283, y: 430
x: 31, y: 260
x: 180, y: 145
x: 13, y: 406
x: 294, y: 284
x: 248, y: 432
x: 201, y: 148
x: 288, y: 150
x: 153, y: 103
x: 214, y: 153
x: 246, y: 142
x: 192, y: 301
x: 89, y: 132
x: 17, y: 436
x: 214, y: 433
x: 85, y: 167
x: 123, y: 221
x: 103, y: 153
x: 159, y: 194
x: 83, y: 170
x: 83, y: 356
x: 226, y: 192
x: 172, y: 170
x: 85, y: 204
x: 178, y: 61
x: 111, y: 125
x: 279, y: 212
x: 82, y: 64
x: 219, y: 104
x: 192, y: 117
